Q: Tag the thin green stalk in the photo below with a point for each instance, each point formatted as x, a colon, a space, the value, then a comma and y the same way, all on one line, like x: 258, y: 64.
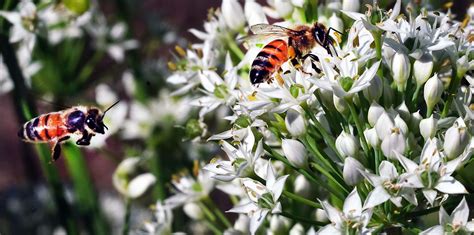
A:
x: 126, y: 219
x: 302, y: 219
x: 213, y: 228
x: 87, y: 200
x: 87, y: 70
x: 359, y: 127
x: 414, y: 99
x: 321, y: 156
x: 234, y: 48
x: 301, y: 199
x: 218, y: 212
x: 330, y: 177
x: 305, y: 173
x: 207, y: 212
x: 328, y: 139
x: 157, y: 170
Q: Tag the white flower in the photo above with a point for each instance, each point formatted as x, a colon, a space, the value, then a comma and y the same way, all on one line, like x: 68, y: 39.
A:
x: 344, y: 80
x: 233, y: 14
x: 163, y: 220
x: 241, y: 161
x: 284, y: 8
x: 303, y: 187
x: 433, y: 172
x: 254, y: 13
x: 371, y: 137
x: 295, y: 152
x: 336, y: 22
x: 193, y: 211
x: 375, y: 111
x: 263, y: 198
x: 24, y: 22
x: 389, y: 185
x: 352, y: 218
x: 347, y: 144
x: 374, y: 91
x: 351, y: 5
x: 456, y: 223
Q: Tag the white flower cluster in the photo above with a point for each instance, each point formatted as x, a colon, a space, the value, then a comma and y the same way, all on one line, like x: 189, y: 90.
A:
x: 356, y: 139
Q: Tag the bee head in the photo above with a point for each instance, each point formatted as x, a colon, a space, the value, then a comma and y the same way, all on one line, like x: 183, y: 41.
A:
x: 95, y: 119
x: 319, y: 32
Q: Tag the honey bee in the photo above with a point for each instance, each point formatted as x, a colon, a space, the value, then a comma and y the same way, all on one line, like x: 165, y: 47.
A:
x: 56, y: 127
x: 292, y: 44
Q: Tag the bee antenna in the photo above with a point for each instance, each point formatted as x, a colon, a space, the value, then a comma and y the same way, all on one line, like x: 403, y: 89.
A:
x: 110, y: 108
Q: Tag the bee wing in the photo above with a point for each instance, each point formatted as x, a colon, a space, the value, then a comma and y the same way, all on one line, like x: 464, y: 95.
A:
x: 269, y: 29
x: 260, y: 38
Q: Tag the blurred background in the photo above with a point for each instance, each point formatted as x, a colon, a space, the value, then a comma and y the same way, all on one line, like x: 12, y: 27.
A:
x: 115, y: 50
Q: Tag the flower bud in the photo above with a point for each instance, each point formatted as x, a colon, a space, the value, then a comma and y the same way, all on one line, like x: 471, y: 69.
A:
x: 121, y: 175
x: 347, y: 144
x: 193, y: 211
x: 433, y: 91
x: 303, y: 186
x: 456, y: 139
x: 298, y: 3
x: 77, y: 6
x: 295, y: 152
x: 242, y: 224
x: 400, y: 69
x: 403, y: 111
x: 375, y: 110
x: 414, y: 124
x: 297, y: 229
x: 371, y: 137
x: 336, y: 23
x: 374, y: 91
x: 284, y: 8
x: 384, y: 125
x: 395, y: 142
x: 463, y: 64
x: 140, y: 184
x: 233, y: 14
x: 351, y: 171
x: 295, y: 122
x: 341, y: 105
x: 321, y: 117
x: 422, y: 69
x: 351, y: 5
x: 254, y: 13
x: 279, y: 223
x: 321, y: 215
x: 401, y: 124
x: 428, y: 127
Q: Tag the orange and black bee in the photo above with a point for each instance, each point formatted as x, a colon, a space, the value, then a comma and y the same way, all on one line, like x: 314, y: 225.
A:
x: 293, y: 44
x: 56, y: 127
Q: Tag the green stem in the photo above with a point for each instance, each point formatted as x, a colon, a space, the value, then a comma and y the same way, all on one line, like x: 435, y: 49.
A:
x: 331, y: 178
x: 359, y: 127
x: 126, y: 219
x: 302, y: 219
x: 213, y: 228
x: 87, y: 69
x: 218, y: 212
x: 88, y: 205
x: 207, y: 212
x: 301, y: 199
x: 305, y: 173
x: 234, y: 48
x: 321, y: 156
x: 453, y: 86
x: 414, y: 99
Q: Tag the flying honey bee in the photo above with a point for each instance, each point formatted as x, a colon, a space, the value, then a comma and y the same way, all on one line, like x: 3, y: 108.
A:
x: 56, y: 127
x: 292, y: 44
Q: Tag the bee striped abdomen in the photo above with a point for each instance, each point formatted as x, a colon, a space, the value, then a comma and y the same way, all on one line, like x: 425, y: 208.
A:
x: 268, y: 60
x: 43, y: 128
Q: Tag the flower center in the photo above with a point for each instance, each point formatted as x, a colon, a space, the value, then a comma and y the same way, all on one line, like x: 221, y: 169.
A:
x: 346, y: 83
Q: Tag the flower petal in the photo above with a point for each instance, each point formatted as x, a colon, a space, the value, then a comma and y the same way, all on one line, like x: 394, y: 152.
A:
x: 449, y: 185
x: 376, y: 197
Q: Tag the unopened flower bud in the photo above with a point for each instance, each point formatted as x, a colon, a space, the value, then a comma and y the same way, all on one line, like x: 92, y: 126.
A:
x: 295, y: 152
x: 303, y: 186
x: 284, y: 8
x: 140, y: 184
x: 347, y: 144
x: 463, y: 64
x: 403, y: 111
x: 384, y: 125
x: 233, y: 14
x: 351, y: 5
x: 433, y: 91
x: 336, y: 23
x: 297, y: 229
x: 77, y: 6
x: 375, y: 110
x: 351, y: 171
x: 295, y: 122
x: 401, y: 124
x: 321, y: 215
x: 193, y: 211
x: 279, y: 223
x: 400, y: 69
x: 422, y: 69
x: 371, y: 137
x: 254, y: 13
x: 395, y: 142
x: 242, y: 224
x: 414, y: 123
x: 428, y: 127
x: 456, y: 139
x: 341, y: 105
x: 374, y: 91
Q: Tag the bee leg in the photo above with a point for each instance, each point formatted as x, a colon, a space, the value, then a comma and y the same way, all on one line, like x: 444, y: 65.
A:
x: 296, y: 64
x: 85, y: 140
x: 279, y: 78
x: 56, y: 150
